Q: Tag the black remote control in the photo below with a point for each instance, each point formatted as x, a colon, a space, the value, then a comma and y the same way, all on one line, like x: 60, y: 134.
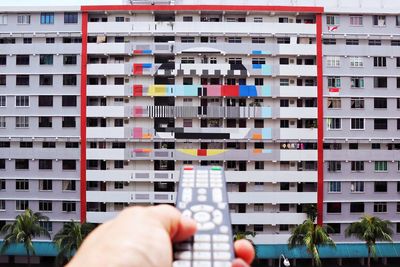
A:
x: 202, y: 196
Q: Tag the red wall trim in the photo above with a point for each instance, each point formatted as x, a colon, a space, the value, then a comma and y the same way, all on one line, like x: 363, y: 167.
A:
x: 302, y: 9
x: 320, y: 192
x: 83, y: 115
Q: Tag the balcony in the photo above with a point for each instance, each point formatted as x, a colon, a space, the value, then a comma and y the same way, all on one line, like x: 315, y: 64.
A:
x: 106, y: 111
x: 108, y: 90
x: 130, y: 197
x: 295, y: 91
x: 263, y: 239
x: 272, y: 197
x: 271, y: 176
x: 301, y: 112
x: 132, y: 175
x: 107, y: 132
x: 109, y: 69
x: 297, y: 49
x: 108, y: 48
x: 185, y: 28
x: 361, y: 155
x: 297, y: 133
x: 298, y: 70
x: 268, y: 218
x: 298, y: 155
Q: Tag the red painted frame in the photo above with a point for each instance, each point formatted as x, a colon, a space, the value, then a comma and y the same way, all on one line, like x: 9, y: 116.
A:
x: 303, y: 9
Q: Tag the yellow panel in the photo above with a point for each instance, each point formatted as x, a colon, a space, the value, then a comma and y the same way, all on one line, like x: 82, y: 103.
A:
x: 192, y: 152
x: 213, y: 152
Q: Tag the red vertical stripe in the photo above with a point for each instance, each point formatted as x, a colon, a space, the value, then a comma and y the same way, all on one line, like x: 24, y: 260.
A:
x: 320, y: 192
x: 83, y: 115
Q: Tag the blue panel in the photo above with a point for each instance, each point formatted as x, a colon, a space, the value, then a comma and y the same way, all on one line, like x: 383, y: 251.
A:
x: 42, y: 248
x: 266, y: 112
x: 147, y: 51
x: 256, y: 52
x: 170, y: 91
x: 147, y: 65
x: 190, y: 90
x: 266, y: 133
x: 257, y: 66
x: 252, y: 90
x: 247, y: 90
x: 267, y: 151
x: 266, y: 69
x: 266, y: 90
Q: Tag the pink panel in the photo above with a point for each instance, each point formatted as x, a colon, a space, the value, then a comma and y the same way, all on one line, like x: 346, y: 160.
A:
x: 213, y: 90
x: 137, y: 132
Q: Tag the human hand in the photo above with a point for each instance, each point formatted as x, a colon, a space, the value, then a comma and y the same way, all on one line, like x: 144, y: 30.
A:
x: 141, y: 237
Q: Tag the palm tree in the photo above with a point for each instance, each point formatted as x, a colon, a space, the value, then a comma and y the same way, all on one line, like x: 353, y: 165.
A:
x: 311, y: 236
x: 70, y: 237
x: 244, y: 235
x: 370, y: 229
x: 25, y: 227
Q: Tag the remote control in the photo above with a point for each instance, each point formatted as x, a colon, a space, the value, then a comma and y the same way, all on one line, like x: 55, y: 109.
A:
x: 202, y: 196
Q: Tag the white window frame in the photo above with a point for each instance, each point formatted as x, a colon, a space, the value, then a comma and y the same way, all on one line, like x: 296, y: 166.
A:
x: 3, y: 101
x: 356, y: 62
x: 335, y: 187
x: 356, y: 21
x: 258, y: 60
x: 329, y: 124
x: 3, y: 19
x: 356, y: 186
x: 333, y: 61
x: 334, y: 100
x: 357, y: 129
x: 357, y: 99
x: 22, y: 101
x: 361, y: 82
x: 258, y: 19
x: 188, y: 60
x: 23, y: 19
x: 332, y: 20
x: 3, y: 123
x: 382, y: 166
x: 22, y: 122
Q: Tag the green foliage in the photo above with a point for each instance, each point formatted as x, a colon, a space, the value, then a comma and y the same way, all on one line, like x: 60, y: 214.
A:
x: 244, y: 235
x: 311, y: 236
x: 70, y: 238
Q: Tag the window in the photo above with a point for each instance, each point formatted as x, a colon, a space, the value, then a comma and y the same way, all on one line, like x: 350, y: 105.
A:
x: 258, y: 81
x: 283, y: 40
x: 47, y: 18
x: 353, y: 146
x: 22, y: 60
x: 379, y: 61
x: 4, y: 144
x: 3, y: 123
x: 25, y: 144
x: 45, y: 185
x: 70, y: 17
x: 69, y: 79
x: 258, y: 19
x: 69, y: 185
x: 22, y: 80
x: 357, y: 102
x: 284, y: 82
x: 380, y: 102
x: 69, y: 164
x: 330, y: 41
x: 49, y: 145
x: 46, y: 79
x: 21, y: 122
x: 334, y: 82
x: 2, y: 164
x: 283, y: 61
x: 118, y: 185
x: 118, y: 164
x: 334, y: 123
x: 398, y: 20
x: 3, y: 19
x: 46, y: 59
x: 2, y: 184
x: 380, y: 82
x: 357, y: 124
x: 22, y: 184
x: 357, y: 82
x: 284, y: 124
x: 45, y: 101
x: 380, y: 124
x: 380, y: 187
x: 50, y: 40
x: 187, y: 123
x: 69, y: 59
x: 395, y: 42
x: 352, y: 42
x: 375, y: 146
x: 22, y: 101
x: 46, y: 225
x: 259, y: 165
x: 333, y: 61
x: 45, y: 122
x: 380, y: 166
x: 356, y: 20
x: 3, y: 101
x: 3, y: 80
x: 68, y: 122
x: 45, y: 164
x: 2, y: 205
x: 3, y: 60
x: 187, y: 39
x: 357, y: 187
x: 258, y: 60
x: 71, y: 40
x: 356, y: 62
x: 334, y: 166
x: 258, y: 40
x: 334, y: 103
x: 258, y: 207
x: 234, y: 39
x: 379, y: 20
x: 284, y: 186
x: 23, y: 19
x: 69, y: 101
x: 27, y: 40
x: 334, y: 207
x: 187, y: 18
x: 21, y: 205
x: 357, y: 166
x: 258, y: 228
x: 374, y: 42
x: 71, y: 145
x: 380, y: 207
x: 357, y: 207
x: 187, y: 60
x: 332, y: 20
x: 45, y: 205
x: 335, y: 187
x: 283, y: 20
x: 68, y: 206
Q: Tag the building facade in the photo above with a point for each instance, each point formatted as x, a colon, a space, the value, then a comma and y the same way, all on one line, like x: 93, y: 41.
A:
x: 100, y: 107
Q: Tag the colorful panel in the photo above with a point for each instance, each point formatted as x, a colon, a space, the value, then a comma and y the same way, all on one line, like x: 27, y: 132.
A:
x: 214, y: 90
x: 247, y: 90
x: 266, y: 69
x: 266, y: 90
x: 137, y: 90
x: 202, y: 152
x: 138, y: 69
x: 157, y: 90
x: 147, y: 65
x: 257, y: 66
x: 266, y: 112
x: 137, y: 132
x: 260, y: 52
x: 138, y: 111
x: 230, y: 90
x: 266, y: 133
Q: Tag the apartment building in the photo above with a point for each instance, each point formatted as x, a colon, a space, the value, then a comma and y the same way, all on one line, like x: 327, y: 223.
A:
x: 100, y: 107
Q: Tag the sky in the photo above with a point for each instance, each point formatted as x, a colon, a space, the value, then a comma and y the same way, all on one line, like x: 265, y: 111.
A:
x: 57, y: 2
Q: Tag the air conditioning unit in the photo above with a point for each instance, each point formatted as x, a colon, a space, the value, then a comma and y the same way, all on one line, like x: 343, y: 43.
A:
x: 126, y: 121
x: 291, y: 102
x: 126, y: 183
x: 126, y: 100
x: 126, y: 80
x: 291, y: 81
x: 292, y: 205
x: 127, y: 19
x: 292, y: 164
x: 292, y: 185
x: 291, y: 20
x: 292, y: 122
x: 291, y: 61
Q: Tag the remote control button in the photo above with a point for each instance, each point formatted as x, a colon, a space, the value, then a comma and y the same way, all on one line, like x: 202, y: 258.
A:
x: 221, y: 264
x: 187, y: 184
x: 220, y: 238
x: 202, y: 246
x: 217, y: 216
x: 201, y: 191
x: 184, y: 255
x: 202, y: 238
x: 202, y: 198
x: 202, y: 185
x: 187, y: 195
x: 222, y: 255
x: 217, y: 195
x: 221, y: 206
x: 201, y: 216
x: 187, y: 213
x: 224, y: 229
x: 182, y: 205
x: 181, y: 264
x: 201, y: 264
x: 216, y: 185
x: 197, y: 208
x: 202, y: 172
x: 183, y: 246
x: 201, y: 255
x: 205, y: 226
x: 221, y: 246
